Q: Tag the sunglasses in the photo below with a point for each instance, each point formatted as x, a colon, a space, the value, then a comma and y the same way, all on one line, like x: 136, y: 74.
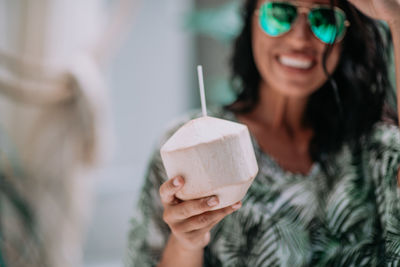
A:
x: 328, y: 24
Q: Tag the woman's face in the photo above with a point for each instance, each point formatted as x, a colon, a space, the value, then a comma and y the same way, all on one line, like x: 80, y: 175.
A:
x: 292, y: 63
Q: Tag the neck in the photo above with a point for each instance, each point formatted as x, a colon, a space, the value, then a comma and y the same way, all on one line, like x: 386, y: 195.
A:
x: 280, y: 112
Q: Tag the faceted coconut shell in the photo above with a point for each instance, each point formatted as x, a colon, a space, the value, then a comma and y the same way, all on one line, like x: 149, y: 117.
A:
x: 214, y: 156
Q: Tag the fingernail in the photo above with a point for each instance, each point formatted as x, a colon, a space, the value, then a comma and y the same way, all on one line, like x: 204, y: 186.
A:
x: 212, y: 201
x: 176, y: 182
x: 236, y: 206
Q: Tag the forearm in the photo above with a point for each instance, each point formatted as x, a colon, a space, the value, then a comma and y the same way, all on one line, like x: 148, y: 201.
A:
x: 176, y: 256
x: 395, y: 30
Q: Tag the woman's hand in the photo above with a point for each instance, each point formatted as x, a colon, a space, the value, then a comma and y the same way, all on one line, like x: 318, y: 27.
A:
x: 191, y: 221
x: 387, y: 10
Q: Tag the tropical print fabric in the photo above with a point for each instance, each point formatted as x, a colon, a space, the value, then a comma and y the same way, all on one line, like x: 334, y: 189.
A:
x: 346, y: 214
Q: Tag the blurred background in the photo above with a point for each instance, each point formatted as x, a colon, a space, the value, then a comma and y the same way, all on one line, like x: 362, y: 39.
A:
x: 87, y: 88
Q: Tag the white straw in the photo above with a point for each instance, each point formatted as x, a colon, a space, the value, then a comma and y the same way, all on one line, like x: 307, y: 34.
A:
x: 202, y: 94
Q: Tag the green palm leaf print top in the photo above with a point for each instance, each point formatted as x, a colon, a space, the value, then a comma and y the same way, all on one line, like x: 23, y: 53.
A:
x: 347, y: 214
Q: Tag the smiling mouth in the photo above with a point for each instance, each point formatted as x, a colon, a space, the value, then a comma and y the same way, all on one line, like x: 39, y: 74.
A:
x: 296, y: 63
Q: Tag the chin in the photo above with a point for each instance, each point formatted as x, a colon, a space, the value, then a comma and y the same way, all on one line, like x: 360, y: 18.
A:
x: 298, y: 90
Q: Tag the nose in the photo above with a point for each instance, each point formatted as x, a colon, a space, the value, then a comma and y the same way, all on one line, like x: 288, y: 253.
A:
x: 300, y: 29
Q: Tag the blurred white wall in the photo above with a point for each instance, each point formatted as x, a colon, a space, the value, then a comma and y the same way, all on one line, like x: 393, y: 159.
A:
x: 152, y: 80
x: 40, y: 44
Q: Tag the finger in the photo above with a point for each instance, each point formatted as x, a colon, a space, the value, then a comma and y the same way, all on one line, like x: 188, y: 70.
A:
x: 230, y: 210
x: 191, y: 208
x: 236, y: 206
x: 169, y: 189
x: 174, y: 214
x: 206, y: 220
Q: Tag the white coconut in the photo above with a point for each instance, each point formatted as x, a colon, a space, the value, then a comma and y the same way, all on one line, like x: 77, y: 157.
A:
x: 214, y: 156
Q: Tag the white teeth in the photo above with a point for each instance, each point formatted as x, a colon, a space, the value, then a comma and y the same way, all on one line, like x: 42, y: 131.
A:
x: 295, y: 62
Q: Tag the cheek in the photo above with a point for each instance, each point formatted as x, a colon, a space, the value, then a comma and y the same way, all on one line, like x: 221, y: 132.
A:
x: 258, y: 45
x: 331, y: 64
x: 261, y: 43
x: 333, y: 58
x: 260, y: 56
x: 262, y: 46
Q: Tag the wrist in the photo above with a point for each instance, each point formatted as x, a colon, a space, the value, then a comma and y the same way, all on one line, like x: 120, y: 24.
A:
x: 175, y: 242
x: 177, y: 255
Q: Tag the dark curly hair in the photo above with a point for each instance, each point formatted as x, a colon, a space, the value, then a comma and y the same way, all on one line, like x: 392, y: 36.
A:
x: 354, y: 96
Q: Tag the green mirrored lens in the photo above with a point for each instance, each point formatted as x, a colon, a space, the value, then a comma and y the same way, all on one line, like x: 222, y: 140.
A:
x: 276, y: 18
x: 322, y: 22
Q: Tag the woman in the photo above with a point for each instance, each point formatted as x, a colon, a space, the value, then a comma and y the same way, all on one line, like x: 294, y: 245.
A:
x: 312, y: 95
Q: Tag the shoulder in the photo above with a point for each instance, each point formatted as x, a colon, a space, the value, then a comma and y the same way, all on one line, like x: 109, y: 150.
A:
x: 383, y: 136
x: 382, y: 153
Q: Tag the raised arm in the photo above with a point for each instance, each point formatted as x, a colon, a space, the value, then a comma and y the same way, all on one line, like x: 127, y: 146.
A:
x: 395, y: 29
x: 389, y: 11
